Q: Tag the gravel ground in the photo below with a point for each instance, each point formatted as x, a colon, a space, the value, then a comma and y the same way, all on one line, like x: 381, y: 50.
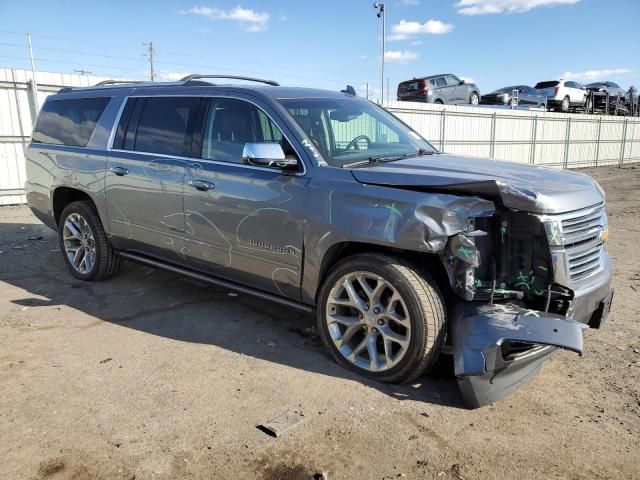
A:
x: 150, y: 375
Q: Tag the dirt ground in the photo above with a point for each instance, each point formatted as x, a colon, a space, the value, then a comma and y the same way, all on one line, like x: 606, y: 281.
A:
x: 152, y: 376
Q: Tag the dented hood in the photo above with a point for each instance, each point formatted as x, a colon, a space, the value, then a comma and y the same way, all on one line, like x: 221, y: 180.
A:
x: 518, y: 186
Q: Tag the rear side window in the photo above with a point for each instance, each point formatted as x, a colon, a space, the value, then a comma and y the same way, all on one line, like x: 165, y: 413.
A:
x: 547, y: 84
x: 440, y: 82
x: 162, y: 127
x: 69, y: 122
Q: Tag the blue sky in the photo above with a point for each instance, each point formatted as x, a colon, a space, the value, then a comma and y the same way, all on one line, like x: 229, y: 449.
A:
x: 331, y: 43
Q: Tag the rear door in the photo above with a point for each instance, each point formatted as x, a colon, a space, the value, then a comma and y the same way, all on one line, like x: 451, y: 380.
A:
x: 244, y: 222
x: 441, y: 90
x: 145, y: 175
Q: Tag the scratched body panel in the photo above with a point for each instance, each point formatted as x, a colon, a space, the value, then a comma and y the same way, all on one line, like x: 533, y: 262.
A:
x: 249, y: 227
x: 145, y: 206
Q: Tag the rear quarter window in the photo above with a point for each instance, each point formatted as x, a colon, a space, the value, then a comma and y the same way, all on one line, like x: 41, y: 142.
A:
x: 69, y: 122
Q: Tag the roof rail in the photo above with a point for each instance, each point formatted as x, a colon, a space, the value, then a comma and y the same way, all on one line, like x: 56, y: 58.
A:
x: 113, y: 82
x: 196, y: 76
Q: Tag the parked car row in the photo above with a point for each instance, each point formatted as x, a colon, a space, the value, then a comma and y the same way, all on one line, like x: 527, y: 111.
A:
x: 562, y: 95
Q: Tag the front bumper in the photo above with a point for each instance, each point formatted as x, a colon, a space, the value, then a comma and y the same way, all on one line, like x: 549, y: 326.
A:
x: 483, y: 370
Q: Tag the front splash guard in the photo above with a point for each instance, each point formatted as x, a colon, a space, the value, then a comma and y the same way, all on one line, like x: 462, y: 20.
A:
x: 484, y: 374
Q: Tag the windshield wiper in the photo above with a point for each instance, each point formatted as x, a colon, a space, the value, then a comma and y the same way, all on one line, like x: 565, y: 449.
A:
x: 385, y: 159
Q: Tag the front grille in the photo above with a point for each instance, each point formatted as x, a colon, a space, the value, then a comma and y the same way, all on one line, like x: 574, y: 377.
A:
x: 584, y: 226
x: 584, y: 262
x: 581, y: 231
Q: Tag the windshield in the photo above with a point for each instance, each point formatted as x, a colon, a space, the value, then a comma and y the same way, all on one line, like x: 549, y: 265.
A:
x: 348, y: 130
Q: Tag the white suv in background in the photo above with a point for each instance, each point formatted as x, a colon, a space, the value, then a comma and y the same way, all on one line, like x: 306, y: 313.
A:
x: 563, y: 94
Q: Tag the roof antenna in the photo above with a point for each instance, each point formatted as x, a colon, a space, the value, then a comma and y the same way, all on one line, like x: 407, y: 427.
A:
x: 349, y: 90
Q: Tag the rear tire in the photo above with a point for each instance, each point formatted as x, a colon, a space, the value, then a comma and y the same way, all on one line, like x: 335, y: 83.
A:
x: 84, y: 244
x: 565, y: 105
x: 389, y: 325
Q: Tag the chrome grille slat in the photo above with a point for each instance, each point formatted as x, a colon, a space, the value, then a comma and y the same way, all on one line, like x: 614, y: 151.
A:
x: 584, y: 259
x: 581, y: 232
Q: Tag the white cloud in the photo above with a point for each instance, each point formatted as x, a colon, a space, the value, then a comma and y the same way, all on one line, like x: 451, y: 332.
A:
x: 169, y: 76
x: 596, y: 74
x: 406, y: 29
x: 482, y: 7
x: 250, y: 20
x: 398, y: 56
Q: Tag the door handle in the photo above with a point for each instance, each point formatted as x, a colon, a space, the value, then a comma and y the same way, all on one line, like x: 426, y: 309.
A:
x: 201, y: 185
x: 119, y: 171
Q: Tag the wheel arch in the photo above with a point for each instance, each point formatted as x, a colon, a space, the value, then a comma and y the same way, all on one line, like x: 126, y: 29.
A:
x: 424, y: 261
x: 63, y: 196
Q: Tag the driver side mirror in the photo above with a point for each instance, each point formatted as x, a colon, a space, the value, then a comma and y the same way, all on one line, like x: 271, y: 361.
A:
x: 267, y: 154
x: 462, y: 82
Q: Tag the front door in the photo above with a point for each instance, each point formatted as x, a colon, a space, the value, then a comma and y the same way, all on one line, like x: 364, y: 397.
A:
x: 243, y: 222
x: 145, y: 175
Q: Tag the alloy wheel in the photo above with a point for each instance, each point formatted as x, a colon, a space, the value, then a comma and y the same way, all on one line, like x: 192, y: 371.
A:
x: 368, y: 321
x: 79, y: 243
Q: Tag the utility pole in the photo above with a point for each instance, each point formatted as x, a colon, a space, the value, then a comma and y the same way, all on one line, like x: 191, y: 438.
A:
x: 387, y: 91
x: 83, y: 72
x: 152, y: 73
x: 381, y: 14
x: 33, y: 75
x: 367, y: 91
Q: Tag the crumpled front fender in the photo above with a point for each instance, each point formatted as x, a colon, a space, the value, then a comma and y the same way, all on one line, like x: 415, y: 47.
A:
x: 484, y: 374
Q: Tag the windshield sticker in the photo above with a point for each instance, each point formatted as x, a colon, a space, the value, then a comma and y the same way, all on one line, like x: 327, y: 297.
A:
x: 314, y: 152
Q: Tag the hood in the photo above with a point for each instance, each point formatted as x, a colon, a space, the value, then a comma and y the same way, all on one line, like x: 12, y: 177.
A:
x: 521, y: 187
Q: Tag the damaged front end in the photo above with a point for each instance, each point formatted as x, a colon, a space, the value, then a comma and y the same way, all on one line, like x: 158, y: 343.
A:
x: 514, y: 314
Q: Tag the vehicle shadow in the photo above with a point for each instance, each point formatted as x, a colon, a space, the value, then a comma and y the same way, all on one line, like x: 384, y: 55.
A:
x: 169, y: 305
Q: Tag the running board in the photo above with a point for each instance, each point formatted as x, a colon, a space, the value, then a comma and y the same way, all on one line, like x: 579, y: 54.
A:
x: 214, y: 281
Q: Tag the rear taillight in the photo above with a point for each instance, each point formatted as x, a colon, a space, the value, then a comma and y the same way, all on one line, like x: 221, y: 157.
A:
x: 557, y: 89
x: 424, y: 87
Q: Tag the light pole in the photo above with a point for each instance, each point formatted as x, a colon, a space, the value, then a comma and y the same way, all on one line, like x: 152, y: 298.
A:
x: 380, y: 8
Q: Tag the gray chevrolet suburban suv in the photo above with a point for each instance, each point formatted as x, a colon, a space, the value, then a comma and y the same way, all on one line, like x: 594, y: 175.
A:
x: 326, y: 202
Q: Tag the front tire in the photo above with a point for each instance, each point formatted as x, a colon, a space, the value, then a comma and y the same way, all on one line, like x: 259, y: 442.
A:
x: 84, y: 244
x: 382, y: 318
x: 474, y: 98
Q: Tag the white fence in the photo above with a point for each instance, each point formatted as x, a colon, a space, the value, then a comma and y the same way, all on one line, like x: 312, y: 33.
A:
x: 18, y: 109
x: 525, y: 136
x: 535, y: 137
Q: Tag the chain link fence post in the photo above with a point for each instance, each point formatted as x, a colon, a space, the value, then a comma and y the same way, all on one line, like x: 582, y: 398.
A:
x: 442, y: 127
x: 534, y: 134
x: 566, y: 144
x: 624, y: 141
x: 598, y: 140
x: 492, y: 145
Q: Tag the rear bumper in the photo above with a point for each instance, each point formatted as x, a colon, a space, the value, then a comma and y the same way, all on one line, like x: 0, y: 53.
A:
x: 485, y: 373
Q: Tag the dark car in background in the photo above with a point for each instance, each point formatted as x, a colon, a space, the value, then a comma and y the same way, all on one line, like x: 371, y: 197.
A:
x: 516, y: 95
x: 617, y: 97
x: 442, y: 89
